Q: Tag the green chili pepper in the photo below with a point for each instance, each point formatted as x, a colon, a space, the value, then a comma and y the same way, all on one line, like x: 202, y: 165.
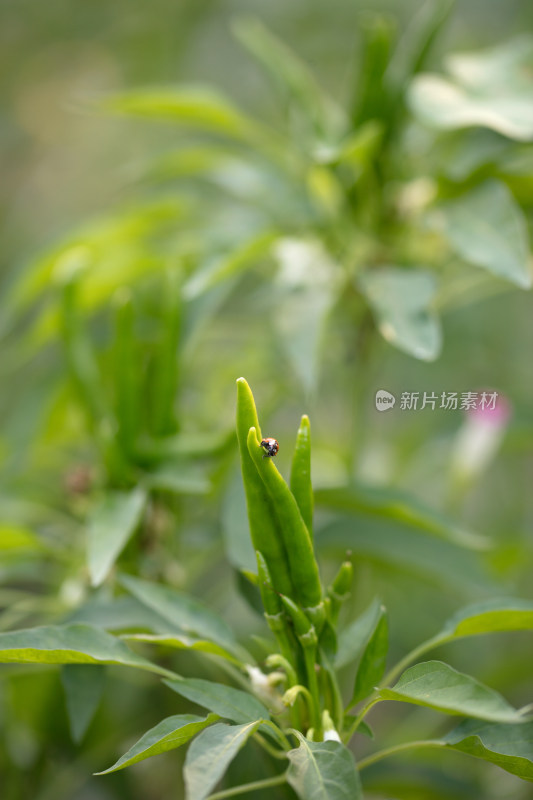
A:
x: 306, y: 633
x: 301, y: 473
x: 339, y: 590
x: 304, y: 628
x: 274, y: 613
x: 298, y: 546
x: 264, y: 525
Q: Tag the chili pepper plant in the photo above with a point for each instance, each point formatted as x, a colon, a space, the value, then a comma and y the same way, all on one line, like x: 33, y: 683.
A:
x: 312, y: 727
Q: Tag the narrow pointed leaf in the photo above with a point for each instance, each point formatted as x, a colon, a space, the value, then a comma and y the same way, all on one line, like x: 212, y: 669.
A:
x: 354, y: 638
x: 168, y: 734
x: 291, y: 75
x: 323, y: 771
x: 397, y: 505
x: 437, y: 685
x: 508, y: 746
x: 227, y: 702
x: 243, y: 257
x: 405, y: 549
x: 373, y: 660
x: 210, y: 754
x: 83, y: 686
x: 70, y: 644
x: 490, y: 616
x: 182, y: 642
x: 111, y: 524
x: 496, y: 615
x: 182, y: 611
x: 195, y: 106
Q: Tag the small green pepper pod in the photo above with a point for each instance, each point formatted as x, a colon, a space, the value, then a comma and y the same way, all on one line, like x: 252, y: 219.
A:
x: 301, y: 473
x: 298, y: 546
x: 264, y: 526
x: 272, y: 604
x: 274, y: 611
x: 339, y: 590
x: 307, y: 636
x: 303, y: 627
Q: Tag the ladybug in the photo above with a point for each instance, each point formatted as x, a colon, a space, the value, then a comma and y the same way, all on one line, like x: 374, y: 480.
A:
x: 271, y: 447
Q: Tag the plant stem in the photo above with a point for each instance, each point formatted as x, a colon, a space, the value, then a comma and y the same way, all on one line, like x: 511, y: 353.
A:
x: 398, y: 748
x: 268, y: 747
x: 279, y: 733
x: 410, y: 657
x: 390, y: 677
x: 249, y: 787
x: 310, y: 660
x: 362, y: 714
x: 337, y: 704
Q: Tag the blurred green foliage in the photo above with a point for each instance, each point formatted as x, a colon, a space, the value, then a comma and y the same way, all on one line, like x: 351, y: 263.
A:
x: 287, y: 217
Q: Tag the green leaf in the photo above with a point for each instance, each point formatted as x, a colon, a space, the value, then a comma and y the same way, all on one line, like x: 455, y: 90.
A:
x: 183, y: 612
x: 323, y: 771
x: 168, y: 734
x: 238, y: 545
x: 123, y: 613
x: 182, y: 642
x: 437, y: 685
x: 486, y: 227
x: 490, y: 616
x: 195, y: 106
x: 396, y: 504
x: 210, y: 754
x: 70, y: 644
x: 508, y: 746
x: 416, y: 44
x: 292, y: 76
x: 491, y: 88
x: 223, y: 700
x: 83, y: 686
x: 220, y: 270
x: 108, y: 253
x: 111, y: 523
x: 405, y: 549
x: 401, y: 300
x: 354, y: 638
x: 373, y: 660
